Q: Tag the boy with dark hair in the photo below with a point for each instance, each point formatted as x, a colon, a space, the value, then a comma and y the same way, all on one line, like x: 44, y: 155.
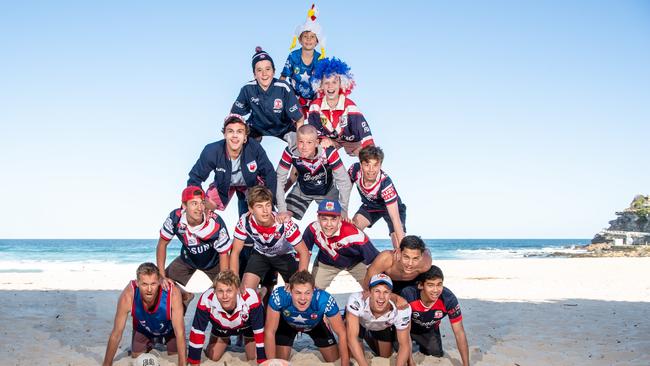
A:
x: 415, y: 259
x: 274, y: 241
x: 378, y: 196
x: 429, y: 303
x: 299, y: 307
x: 230, y: 313
x: 321, y: 175
x: 272, y: 104
x: 238, y: 163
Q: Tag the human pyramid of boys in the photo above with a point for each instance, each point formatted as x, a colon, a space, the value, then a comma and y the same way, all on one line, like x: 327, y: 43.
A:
x: 403, y: 298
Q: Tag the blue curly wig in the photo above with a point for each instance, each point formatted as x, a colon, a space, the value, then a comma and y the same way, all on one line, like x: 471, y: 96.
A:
x: 333, y: 66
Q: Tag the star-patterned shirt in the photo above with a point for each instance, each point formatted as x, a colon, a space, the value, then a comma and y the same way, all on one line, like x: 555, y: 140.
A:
x: 300, y: 74
x: 322, y: 304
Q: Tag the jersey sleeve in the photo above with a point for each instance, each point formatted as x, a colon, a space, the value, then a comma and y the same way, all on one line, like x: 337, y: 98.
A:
x: 291, y: 107
x: 197, y: 332
x: 241, y: 106
x: 257, y: 323
x: 313, y: 117
x: 359, y: 126
x: 308, y: 237
x: 286, y: 160
x: 451, y: 306
x: 331, y: 307
x: 240, y: 230
x: 292, y: 233
x: 388, y: 192
x: 168, y: 229
x: 410, y: 294
x: 205, y: 164
x: 287, y: 70
x: 368, y: 251
x: 355, y: 304
x: 276, y: 302
x: 221, y: 239
x: 403, y: 318
x: 352, y: 171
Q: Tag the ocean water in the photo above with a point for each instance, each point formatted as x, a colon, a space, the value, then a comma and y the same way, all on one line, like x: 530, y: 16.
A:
x: 136, y: 251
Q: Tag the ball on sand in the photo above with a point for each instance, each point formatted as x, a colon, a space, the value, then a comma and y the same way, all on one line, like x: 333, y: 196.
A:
x: 146, y: 359
x: 275, y: 362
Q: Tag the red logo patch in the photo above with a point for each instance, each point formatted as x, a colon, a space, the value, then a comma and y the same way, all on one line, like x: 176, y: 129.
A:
x: 277, y: 104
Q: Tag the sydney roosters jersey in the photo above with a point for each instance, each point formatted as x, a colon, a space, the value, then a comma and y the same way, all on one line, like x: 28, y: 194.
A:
x: 271, y: 241
x: 344, y: 249
x: 377, y: 196
x: 248, y: 312
x: 202, y: 244
x: 314, y: 175
x: 426, y: 318
x: 344, y: 122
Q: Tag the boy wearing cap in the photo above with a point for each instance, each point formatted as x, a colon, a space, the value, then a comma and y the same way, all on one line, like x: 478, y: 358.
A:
x: 429, y: 303
x: 274, y: 241
x: 204, y: 237
x: 272, y: 104
x: 321, y: 175
x: 299, y: 67
x: 379, y: 198
x: 238, y: 163
x: 381, y: 319
x: 299, y: 307
x: 342, y: 246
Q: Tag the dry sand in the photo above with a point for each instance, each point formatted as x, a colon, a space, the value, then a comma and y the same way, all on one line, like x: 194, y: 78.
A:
x: 556, y: 311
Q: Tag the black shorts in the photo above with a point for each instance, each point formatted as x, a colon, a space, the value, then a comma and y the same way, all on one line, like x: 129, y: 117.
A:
x: 429, y: 342
x: 225, y: 333
x: 271, y: 277
x: 260, y: 265
x: 385, y: 335
x: 399, y: 286
x: 374, y: 216
x: 321, y: 334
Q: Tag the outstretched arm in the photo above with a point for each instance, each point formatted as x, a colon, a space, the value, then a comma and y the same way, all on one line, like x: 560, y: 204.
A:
x: 381, y: 264
x: 270, y: 327
x: 122, y: 312
x: 178, y: 323
x: 404, y: 350
x: 352, y: 329
x: 461, y: 341
x: 339, y: 328
x: 303, y: 256
x: 237, y: 246
x: 161, y: 258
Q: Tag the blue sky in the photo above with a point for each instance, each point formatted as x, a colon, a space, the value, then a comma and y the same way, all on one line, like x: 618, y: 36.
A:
x: 502, y: 119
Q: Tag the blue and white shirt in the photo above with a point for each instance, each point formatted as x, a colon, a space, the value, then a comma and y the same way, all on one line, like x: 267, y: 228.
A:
x: 322, y: 304
x: 300, y: 74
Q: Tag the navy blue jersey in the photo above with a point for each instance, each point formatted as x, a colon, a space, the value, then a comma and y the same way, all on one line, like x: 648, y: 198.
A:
x: 377, y: 196
x: 201, y: 244
x: 300, y: 74
x: 272, y: 112
x: 322, y: 304
x: 156, y: 323
x: 314, y: 175
x: 345, y: 249
x: 425, y: 318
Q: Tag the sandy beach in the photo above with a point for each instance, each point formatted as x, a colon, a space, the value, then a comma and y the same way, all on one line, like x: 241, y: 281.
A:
x: 555, y: 311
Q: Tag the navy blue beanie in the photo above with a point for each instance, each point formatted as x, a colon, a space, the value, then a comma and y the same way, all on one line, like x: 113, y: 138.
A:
x: 261, y: 55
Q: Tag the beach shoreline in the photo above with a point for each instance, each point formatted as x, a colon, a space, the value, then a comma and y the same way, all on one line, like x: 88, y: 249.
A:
x: 527, y: 311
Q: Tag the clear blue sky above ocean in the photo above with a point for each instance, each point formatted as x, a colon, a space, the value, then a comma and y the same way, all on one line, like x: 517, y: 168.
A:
x: 501, y: 119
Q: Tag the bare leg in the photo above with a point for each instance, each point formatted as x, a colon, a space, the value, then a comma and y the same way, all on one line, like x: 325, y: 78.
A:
x: 330, y: 354
x: 360, y: 222
x: 217, y: 347
x: 385, y: 348
x: 250, y: 280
